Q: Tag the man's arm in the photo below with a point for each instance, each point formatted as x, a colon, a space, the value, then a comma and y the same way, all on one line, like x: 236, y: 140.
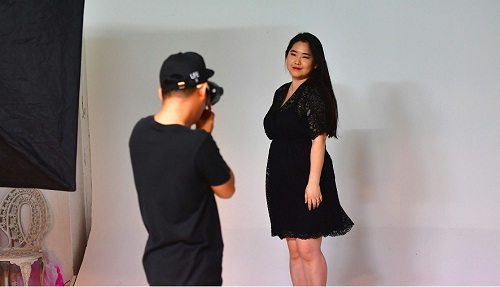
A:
x: 227, y: 189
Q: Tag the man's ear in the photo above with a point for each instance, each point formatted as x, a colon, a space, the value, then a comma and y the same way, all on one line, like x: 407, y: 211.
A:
x: 160, y: 94
x: 202, y: 90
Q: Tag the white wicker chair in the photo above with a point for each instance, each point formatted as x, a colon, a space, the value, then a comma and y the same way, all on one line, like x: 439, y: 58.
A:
x: 25, y: 246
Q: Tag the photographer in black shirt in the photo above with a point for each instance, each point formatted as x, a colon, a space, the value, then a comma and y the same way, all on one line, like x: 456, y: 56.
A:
x: 177, y: 170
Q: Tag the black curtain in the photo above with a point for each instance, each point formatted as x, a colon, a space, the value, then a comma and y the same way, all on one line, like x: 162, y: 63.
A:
x: 40, y: 58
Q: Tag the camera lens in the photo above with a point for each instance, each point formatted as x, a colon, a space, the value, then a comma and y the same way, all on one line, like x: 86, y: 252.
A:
x: 214, y: 91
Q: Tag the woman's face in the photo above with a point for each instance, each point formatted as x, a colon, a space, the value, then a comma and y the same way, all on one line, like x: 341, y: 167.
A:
x: 300, y: 61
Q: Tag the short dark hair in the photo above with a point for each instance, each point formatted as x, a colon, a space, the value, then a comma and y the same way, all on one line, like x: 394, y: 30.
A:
x: 320, y: 77
x: 185, y: 92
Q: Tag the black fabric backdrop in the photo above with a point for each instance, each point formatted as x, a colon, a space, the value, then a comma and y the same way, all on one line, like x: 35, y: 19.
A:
x: 40, y: 57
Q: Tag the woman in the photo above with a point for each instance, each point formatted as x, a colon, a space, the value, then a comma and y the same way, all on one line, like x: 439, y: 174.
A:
x: 300, y: 183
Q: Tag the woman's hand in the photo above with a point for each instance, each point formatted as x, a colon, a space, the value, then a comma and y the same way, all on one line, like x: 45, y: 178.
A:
x: 206, y: 121
x: 313, y: 197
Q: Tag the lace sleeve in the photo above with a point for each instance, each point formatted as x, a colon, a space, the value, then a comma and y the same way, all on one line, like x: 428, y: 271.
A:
x: 312, y: 109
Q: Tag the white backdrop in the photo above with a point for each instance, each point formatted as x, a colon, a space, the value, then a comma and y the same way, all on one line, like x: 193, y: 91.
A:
x: 418, y: 158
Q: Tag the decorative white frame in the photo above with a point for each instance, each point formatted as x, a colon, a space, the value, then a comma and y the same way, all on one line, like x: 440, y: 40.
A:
x: 24, y: 248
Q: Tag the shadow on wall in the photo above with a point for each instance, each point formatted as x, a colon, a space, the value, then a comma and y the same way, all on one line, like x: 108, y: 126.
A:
x: 382, y: 174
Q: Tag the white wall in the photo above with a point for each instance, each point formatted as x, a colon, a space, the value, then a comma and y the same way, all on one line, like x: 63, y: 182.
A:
x: 418, y: 157
x: 80, y: 200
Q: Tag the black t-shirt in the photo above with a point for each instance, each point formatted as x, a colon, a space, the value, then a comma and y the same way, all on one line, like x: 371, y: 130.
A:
x: 174, y: 167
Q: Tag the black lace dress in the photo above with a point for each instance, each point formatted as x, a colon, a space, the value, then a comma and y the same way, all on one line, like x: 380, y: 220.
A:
x: 291, y: 127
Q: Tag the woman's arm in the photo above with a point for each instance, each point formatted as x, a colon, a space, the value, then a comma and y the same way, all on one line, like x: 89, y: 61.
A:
x: 313, y: 192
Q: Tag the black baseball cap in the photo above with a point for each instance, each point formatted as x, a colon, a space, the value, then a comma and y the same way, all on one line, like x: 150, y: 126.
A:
x: 183, y: 70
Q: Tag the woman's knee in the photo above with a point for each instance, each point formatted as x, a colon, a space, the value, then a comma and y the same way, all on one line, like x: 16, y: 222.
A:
x: 308, y: 250
x: 293, y: 249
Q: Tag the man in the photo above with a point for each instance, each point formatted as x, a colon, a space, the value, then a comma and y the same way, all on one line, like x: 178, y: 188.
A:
x: 177, y: 170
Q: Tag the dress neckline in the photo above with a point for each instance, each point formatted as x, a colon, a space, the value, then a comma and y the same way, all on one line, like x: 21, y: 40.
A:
x: 283, y: 99
x: 291, y: 99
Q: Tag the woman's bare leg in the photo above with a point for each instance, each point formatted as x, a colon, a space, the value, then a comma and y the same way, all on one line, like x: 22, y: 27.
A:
x: 296, y: 266
x: 313, y: 261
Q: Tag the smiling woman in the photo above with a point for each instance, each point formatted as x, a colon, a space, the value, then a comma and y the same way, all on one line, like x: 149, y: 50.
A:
x: 299, y: 61
x: 300, y: 184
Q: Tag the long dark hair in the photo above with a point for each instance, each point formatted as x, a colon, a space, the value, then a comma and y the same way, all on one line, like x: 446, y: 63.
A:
x: 320, y: 77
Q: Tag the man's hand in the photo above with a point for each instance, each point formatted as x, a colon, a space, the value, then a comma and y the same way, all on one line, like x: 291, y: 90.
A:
x: 206, y: 121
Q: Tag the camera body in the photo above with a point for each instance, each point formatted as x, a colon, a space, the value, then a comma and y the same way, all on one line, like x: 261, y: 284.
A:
x: 214, y: 91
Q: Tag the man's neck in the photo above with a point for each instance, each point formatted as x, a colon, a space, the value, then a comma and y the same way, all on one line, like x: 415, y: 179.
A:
x: 173, y: 114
